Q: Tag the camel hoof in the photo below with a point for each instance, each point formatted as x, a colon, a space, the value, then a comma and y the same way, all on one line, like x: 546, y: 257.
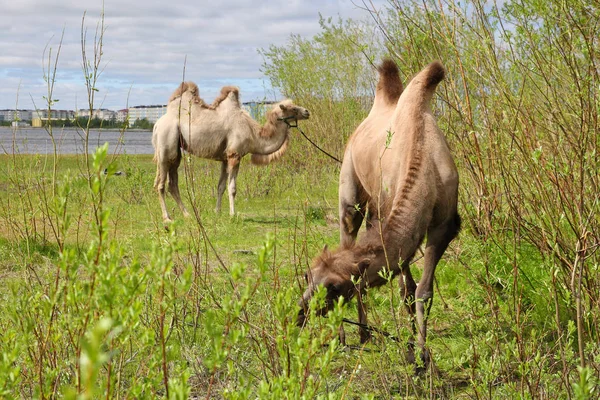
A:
x: 410, y: 353
x: 421, y: 369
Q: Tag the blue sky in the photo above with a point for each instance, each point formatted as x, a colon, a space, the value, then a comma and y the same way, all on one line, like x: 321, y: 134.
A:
x: 147, y: 44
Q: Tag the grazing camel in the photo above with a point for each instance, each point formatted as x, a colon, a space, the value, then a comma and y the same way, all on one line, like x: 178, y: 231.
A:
x: 222, y: 131
x: 398, y: 167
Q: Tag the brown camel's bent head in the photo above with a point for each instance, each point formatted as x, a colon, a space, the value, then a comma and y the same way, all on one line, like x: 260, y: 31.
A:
x: 334, y: 271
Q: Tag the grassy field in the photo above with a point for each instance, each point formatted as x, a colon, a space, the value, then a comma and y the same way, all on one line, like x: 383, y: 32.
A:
x: 129, y: 308
x: 100, y: 299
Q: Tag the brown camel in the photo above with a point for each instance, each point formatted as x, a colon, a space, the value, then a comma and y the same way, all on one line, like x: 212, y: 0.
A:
x: 222, y: 131
x: 397, y: 167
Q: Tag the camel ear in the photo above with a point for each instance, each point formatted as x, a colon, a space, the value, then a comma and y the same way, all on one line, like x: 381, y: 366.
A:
x: 325, y: 248
x: 363, y: 265
x: 283, y: 107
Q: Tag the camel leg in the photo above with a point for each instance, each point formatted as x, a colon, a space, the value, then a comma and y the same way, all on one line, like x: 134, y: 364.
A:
x: 342, y: 335
x: 438, y: 240
x: 221, y: 186
x: 157, y: 177
x: 174, y: 185
x: 233, y: 167
x: 364, y: 333
x: 351, y: 208
x: 162, y: 171
x: 407, y: 290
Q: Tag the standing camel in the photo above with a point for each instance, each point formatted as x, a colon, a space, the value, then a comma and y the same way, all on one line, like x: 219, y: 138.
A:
x: 397, y: 167
x: 222, y: 131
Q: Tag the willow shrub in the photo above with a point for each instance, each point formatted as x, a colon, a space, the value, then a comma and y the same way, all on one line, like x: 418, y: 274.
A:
x: 331, y: 77
x: 520, y: 109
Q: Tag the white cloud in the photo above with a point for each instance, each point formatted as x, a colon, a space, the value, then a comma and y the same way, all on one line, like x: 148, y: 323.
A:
x: 147, y: 44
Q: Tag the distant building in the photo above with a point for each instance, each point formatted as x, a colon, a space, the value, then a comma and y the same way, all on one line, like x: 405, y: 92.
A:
x: 257, y: 109
x: 121, y: 115
x: 151, y: 113
x: 54, y: 114
x: 39, y: 116
x: 100, y: 113
x: 15, y: 115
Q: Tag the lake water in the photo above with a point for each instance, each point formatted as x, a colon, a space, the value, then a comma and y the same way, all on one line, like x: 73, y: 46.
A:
x: 26, y: 140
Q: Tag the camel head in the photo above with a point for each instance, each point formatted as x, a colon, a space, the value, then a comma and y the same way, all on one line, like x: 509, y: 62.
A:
x: 288, y: 111
x: 280, y: 118
x: 334, y: 271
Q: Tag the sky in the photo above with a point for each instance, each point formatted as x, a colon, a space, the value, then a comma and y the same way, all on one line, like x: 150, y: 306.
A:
x: 147, y: 45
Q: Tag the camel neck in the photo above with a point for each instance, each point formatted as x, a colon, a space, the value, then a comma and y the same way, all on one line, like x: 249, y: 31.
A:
x: 270, y: 137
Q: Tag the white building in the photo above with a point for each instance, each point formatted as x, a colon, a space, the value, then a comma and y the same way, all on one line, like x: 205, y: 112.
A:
x: 257, y: 109
x: 151, y: 113
x: 39, y: 116
x: 54, y: 114
x: 100, y: 113
x: 15, y: 115
x: 122, y: 115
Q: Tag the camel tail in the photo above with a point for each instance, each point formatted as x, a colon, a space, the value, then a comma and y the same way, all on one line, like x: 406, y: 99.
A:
x: 264, y: 159
x: 389, y: 86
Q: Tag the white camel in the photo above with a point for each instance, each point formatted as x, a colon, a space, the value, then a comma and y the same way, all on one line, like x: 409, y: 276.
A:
x: 222, y: 131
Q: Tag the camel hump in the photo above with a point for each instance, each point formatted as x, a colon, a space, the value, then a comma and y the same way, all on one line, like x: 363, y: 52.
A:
x: 420, y: 90
x: 389, y: 85
x: 190, y: 87
x: 434, y: 74
x: 225, y: 92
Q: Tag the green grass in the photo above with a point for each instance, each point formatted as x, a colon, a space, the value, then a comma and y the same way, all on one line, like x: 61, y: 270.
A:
x: 478, y: 347
x: 99, y: 299
x: 266, y: 201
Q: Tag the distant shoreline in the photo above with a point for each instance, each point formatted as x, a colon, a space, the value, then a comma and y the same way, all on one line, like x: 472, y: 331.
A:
x: 72, y: 128
x: 71, y: 140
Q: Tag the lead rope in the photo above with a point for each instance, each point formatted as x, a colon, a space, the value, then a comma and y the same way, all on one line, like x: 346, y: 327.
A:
x: 295, y: 125
x: 372, y: 329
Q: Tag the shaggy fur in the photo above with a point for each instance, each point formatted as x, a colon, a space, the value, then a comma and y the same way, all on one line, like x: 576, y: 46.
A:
x: 225, y: 92
x: 222, y: 131
x: 398, y: 173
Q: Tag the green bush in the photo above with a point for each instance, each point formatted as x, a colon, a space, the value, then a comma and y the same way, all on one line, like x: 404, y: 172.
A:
x: 100, y: 299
